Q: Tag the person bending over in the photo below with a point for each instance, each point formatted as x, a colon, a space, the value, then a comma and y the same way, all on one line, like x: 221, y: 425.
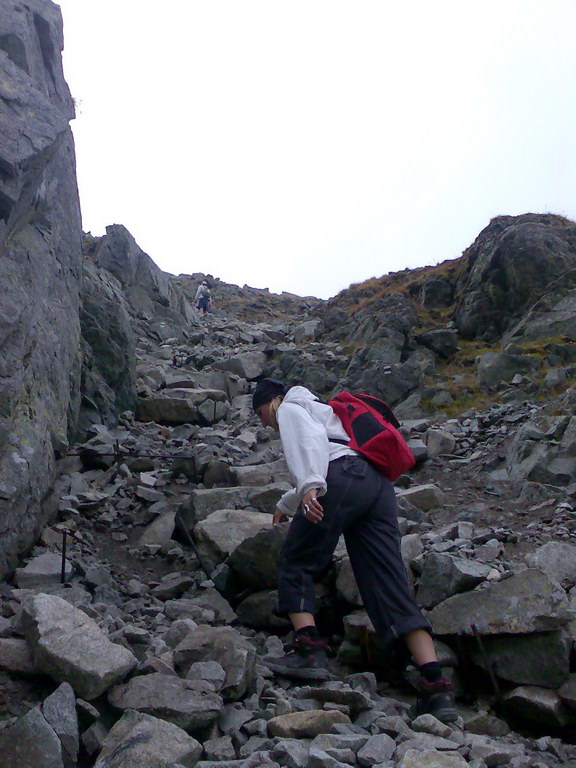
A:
x: 337, y: 491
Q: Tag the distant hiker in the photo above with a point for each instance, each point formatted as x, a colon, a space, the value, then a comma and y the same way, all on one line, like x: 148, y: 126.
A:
x: 203, y: 297
x: 359, y: 502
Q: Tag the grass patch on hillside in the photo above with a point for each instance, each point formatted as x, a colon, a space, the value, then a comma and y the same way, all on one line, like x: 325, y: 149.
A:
x: 409, y: 282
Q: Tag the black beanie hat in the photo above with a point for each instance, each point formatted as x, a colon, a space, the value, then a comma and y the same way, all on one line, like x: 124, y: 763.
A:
x: 266, y: 390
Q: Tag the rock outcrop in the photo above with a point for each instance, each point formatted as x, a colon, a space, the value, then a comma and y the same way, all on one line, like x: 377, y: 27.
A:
x: 40, y: 268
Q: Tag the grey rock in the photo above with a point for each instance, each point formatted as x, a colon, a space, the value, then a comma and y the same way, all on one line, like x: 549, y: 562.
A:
x: 377, y: 749
x: 209, y: 671
x: 443, y: 342
x: 527, y: 602
x: 537, y: 705
x: 493, y: 368
x: 437, y: 292
x: 40, y: 234
x: 424, y: 497
x: 202, y: 502
x: 337, y: 693
x: 262, y: 474
x: 43, y: 570
x: 93, y: 737
x: 59, y: 709
x: 346, y: 583
x: 305, y: 724
x: 172, y: 585
x: 557, y: 559
x: 511, y: 264
x: 439, y: 441
x: 567, y: 692
x: 431, y: 758
x: 70, y: 647
x: 145, y: 741
x: 219, y: 749
x: 226, y: 646
x: 186, y: 703
x: 254, y: 561
x: 224, y: 530
x: 291, y: 753
x: 307, y: 331
x: 318, y: 758
x: 541, y: 658
x: 444, y: 575
x: 248, y: 365
x: 493, y: 752
x: 15, y: 656
x: 161, y: 530
x: 31, y: 741
x: 487, y: 725
x: 257, y: 611
x: 178, y: 630
x: 424, y: 742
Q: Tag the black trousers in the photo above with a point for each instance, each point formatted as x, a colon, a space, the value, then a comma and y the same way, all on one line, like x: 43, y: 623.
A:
x: 361, y: 504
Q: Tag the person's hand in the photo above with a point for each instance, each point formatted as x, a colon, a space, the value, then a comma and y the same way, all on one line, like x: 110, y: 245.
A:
x: 279, y: 517
x: 313, y: 510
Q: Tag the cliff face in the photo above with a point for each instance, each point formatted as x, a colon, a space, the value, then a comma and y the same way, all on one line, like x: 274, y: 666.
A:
x: 40, y: 267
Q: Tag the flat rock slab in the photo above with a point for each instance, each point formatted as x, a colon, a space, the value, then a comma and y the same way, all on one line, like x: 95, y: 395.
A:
x: 70, y: 647
x: 529, y: 601
x: 43, y: 570
x: 305, y: 725
x: 143, y: 741
x: 337, y: 693
x: 189, y: 704
x: 424, y: 497
x: 430, y: 758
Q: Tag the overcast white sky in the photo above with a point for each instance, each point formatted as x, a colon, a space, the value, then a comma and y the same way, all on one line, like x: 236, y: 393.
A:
x: 309, y: 144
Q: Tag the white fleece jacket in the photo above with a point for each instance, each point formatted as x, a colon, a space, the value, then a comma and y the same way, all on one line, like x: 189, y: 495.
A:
x: 305, y: 428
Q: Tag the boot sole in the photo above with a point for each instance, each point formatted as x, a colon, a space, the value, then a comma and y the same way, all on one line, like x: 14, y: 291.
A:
x: 300, y: 674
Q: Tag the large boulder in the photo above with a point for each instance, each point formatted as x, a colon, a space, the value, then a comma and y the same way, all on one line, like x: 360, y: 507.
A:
x: 184, y: 406
x: 219, y: 534
x: 444, y: 575
x: 557, y: 559
x: 70, y: 647
x: 541, y: 658
x: 189, y: 704
x: 529, y: 601
x: 510, y: 266
x: 254, y: 561
x: 226, y: 646
x: 31, y: 741
x: 141, y: 740
x: 248, y: 365
x: 493, y: 368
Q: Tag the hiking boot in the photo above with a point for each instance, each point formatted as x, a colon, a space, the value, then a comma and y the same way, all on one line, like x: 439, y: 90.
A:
x: 306, y: 660
x: 435, y: 699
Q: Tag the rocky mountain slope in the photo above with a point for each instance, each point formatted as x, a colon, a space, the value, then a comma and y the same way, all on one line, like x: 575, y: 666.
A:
x: 136, y: 487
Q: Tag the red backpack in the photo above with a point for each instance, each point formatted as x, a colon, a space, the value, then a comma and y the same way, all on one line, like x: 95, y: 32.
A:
x: 373, y: 431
